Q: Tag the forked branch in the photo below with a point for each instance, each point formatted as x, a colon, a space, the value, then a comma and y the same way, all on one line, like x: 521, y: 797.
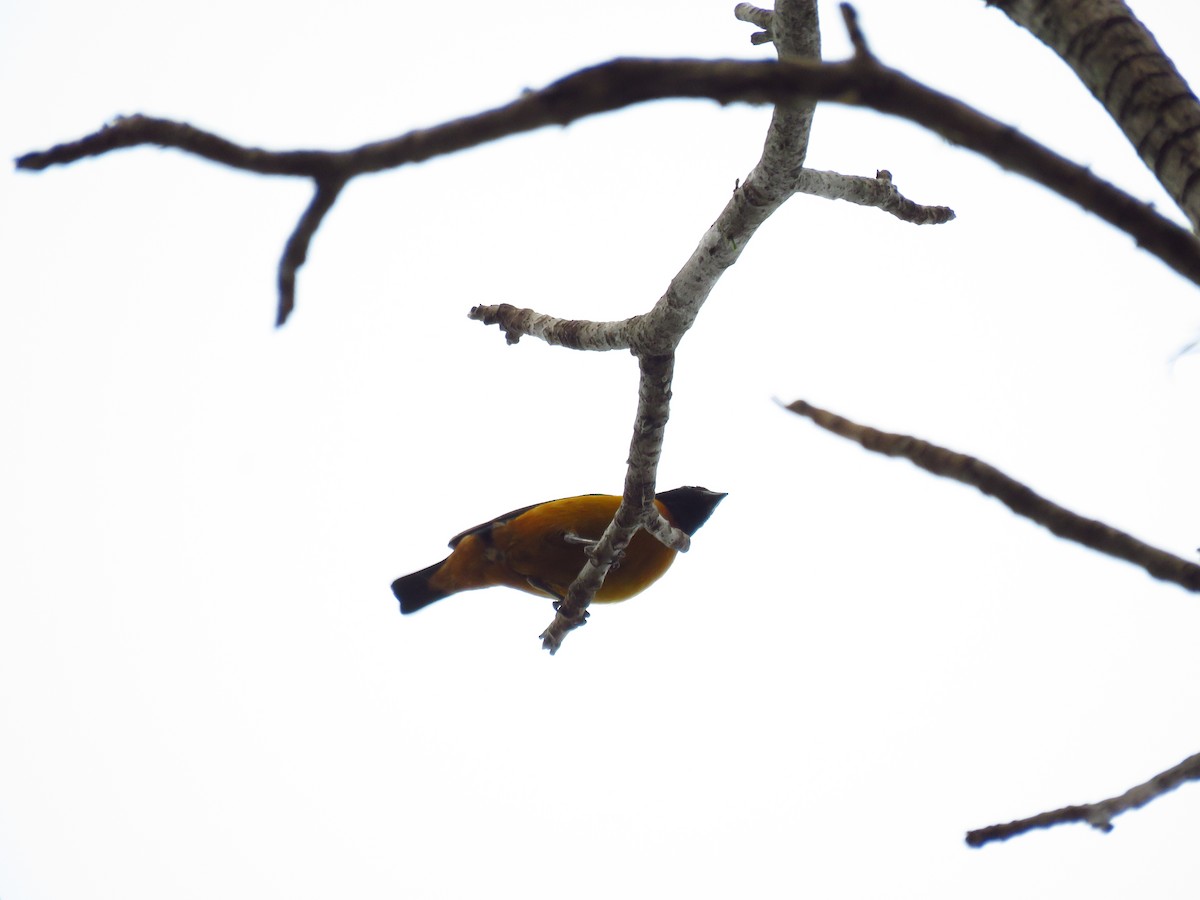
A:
x: 860, y: 81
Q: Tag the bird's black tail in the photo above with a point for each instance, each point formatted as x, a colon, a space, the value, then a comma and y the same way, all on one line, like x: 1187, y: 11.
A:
x: 415, y: 592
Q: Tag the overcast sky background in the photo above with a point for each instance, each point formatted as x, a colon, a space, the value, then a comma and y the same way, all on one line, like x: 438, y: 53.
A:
x: 206, y: 689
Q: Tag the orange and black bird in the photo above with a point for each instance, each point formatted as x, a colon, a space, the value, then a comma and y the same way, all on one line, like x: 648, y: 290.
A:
x: 540, y: 549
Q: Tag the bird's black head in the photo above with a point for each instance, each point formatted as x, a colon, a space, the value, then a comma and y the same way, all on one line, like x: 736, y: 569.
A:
x: 690, y: 506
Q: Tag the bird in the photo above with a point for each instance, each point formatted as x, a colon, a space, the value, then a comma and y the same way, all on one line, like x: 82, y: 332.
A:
x: 540, y: 549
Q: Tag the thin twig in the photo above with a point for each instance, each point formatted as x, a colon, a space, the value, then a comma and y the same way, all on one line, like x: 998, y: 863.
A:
x: 879, y: 192
x: 858, y: 40
x: 295, y: 252
x: 575, y: 334
x: 755, y: 15
x: 1016, y: 496
x: 1098, y: 815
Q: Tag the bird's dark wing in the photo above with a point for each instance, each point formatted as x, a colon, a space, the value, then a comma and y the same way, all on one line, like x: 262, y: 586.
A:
x: 500, y: 520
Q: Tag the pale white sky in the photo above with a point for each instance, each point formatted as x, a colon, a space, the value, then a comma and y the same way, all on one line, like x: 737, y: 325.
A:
x: 206, y: 689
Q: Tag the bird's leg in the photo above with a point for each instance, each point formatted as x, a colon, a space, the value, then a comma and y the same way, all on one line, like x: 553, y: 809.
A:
x: 571, y: 537
x: 589, y: 545
x: 559, y: 598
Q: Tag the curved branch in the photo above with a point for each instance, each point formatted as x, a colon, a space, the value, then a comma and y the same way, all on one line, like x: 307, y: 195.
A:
x: 1016, y: 496
x: 137, y: 130
x: 861, y: 81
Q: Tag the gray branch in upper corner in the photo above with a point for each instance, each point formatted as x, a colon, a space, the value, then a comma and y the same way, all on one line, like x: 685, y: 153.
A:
x: 1119, y: 61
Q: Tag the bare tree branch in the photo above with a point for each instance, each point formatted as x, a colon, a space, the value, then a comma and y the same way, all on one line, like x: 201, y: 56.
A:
x: 795, y: 31
x: 861, y: 81
x: 1098, y: 815
x: 575, y: 334
x: 295, y: 252
x: 138, y: 130
x: 1016, y: 496
x: 878, y: 192
x: 1120, y: 62
x: 755, y: 15
x: 637, y: 509
x: 858, y: 40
